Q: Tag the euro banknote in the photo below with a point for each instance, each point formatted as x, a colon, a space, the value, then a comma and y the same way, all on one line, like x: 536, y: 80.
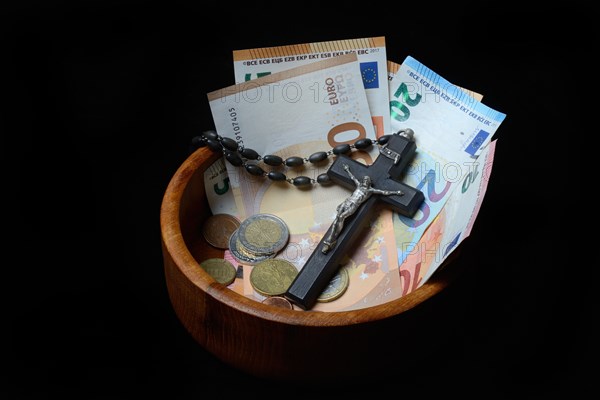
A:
x: 218, y: 190
x: 448, y: 122
x: 250, y: 64
x: 451, y: 128
x: 216, y: 179
x: 253, y: 63
x: 284, y: 114
x: 451, y: 226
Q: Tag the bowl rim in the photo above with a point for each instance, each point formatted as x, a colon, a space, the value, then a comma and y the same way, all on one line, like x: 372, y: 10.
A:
x: 174, y: 244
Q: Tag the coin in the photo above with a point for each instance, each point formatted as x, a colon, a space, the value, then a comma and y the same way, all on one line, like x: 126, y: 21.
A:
x: 336, y: 287
x: 220, y: 269
x: 272, y: 277
x: 263, y: 234
x: 218, y: 228
x: 278, y: 301
x: 241, y: 255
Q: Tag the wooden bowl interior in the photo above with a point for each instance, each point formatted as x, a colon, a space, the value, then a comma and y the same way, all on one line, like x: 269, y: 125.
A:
x: 217, y: 316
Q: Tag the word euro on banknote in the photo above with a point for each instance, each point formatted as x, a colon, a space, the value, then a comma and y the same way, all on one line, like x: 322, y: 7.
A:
x: 261, y: 117
x: 451, y: 128
x: 253, y: 63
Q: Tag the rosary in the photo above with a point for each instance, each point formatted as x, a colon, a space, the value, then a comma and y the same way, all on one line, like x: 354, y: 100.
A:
x: 381, y: 178
x: 240, y: 156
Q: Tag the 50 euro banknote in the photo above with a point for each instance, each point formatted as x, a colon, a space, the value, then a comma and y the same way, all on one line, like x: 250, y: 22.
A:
x: 261, y: 117
x: 371, y: 54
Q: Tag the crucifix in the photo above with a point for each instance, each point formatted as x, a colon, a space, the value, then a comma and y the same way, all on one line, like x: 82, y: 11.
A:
x: 374, y: 184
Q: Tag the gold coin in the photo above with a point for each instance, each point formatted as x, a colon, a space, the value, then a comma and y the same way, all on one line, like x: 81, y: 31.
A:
x: 263, y: 234
x: 218, y: 228
x: 336, y: 287
x: 272, y: 277
x: 278, y: 301
x: 220, y: 269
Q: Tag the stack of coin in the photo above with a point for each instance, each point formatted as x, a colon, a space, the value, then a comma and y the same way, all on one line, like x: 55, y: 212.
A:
x: 258, y: 238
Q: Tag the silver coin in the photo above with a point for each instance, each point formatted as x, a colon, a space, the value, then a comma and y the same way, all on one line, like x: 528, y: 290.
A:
x: 238, y: 252
x: 263, y: 234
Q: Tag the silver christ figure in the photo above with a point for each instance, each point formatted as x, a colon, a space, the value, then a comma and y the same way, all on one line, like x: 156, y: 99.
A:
x: 361, y: 193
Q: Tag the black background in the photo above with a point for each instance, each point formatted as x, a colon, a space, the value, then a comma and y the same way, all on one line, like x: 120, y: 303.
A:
x: 102, y: 99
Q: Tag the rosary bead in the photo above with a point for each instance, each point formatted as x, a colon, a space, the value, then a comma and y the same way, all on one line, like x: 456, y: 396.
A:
x: 342, y: 149
x: 249, y: 154
x: 323, y: 179
x: 363, y: 144
x: 254, y: 170
x: 212, y: 135
x: 234, y: 158
x: 236, y: 155
x: 384, y: 139
x: 273, y: 160
x: 301, y: 181
x: 319, y: 156
x: 214, y: 145
x: 229, y: 144
x: 276, y: 176
x: 198, y: 141
x: 294, y: 161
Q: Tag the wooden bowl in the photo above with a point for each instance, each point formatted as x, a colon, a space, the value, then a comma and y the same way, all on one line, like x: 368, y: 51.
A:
x: 267, y: 341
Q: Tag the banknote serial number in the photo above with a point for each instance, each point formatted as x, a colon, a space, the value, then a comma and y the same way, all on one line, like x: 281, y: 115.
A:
x: 235, y: 126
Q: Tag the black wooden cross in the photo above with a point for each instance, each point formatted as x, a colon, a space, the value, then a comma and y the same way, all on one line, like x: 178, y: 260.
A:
x: 384, y: 175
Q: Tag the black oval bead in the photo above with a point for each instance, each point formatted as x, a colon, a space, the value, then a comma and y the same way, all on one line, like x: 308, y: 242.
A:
x: 318, y: 156
x: 234, y: 158
x: 294, y: 161
x: 229, y: 144
x: 324, y: 179
x: 301, y: 181
x: 211, y: 134
x: 272, y: 160
x: 249, y: 154
x: 214, y: 145
x: 342, y: 149
x: 198, y: 141
x: 363, y: 144
x: 276, y: 176
x: 384, y: 139
x: 254, y: 170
